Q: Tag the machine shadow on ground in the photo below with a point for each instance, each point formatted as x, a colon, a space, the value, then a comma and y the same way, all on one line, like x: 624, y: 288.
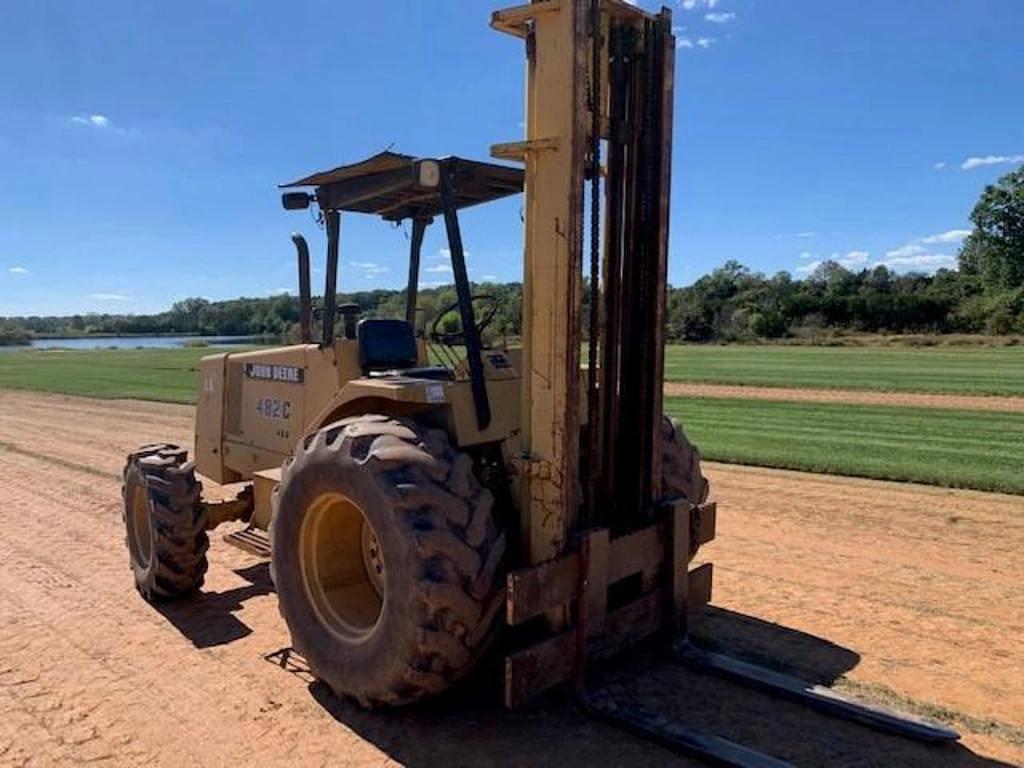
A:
x: 469, y: 726
x: 208, y: 619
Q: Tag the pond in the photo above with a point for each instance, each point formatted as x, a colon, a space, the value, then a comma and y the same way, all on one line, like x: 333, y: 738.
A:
x: 133, y: 342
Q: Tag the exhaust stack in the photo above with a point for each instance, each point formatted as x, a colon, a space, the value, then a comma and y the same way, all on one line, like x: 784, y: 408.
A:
x: 305, y: 296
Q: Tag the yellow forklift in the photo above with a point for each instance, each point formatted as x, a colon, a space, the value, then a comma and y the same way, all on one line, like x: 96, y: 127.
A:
x: 415, y: 512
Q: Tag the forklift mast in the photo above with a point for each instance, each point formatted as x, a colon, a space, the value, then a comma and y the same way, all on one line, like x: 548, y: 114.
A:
x: 598, y: 78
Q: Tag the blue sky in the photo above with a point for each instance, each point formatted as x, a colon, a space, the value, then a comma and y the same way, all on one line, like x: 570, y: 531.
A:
x: 141, y: 142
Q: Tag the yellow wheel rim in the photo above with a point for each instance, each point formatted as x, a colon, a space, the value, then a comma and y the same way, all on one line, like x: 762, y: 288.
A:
x: 139, y: 526
x: 342, y: 566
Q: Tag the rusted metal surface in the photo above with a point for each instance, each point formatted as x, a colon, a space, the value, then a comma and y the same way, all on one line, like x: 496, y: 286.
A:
x: 543, y: 665
x: 251, y: 540
x: 593, y: 603
x: 516, y: 21
x: 388, y: 185
x: 678, y: 579
x: 534, y: 590
x: 229, y: 509
x: 665, y: 47
x: 675, y: 735
x: 817, y: 697
x: 556, y: 110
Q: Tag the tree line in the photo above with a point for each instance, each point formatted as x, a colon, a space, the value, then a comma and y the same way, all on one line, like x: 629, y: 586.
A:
x: 985, y: 294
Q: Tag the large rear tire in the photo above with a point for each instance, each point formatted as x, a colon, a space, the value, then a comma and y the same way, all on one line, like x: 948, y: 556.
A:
x: 386, y: 558
x: 164, y: 522
x: 681, y: 475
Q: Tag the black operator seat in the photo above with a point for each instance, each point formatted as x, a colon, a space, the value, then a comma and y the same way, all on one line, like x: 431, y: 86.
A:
x: 388, y: 348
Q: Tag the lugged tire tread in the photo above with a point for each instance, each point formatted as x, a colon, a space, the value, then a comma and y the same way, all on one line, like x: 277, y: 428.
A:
x: 180, y: 541
x: 443, y: 508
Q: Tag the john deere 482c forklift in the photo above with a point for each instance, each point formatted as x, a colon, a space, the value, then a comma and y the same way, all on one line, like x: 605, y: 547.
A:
x: 415, y: 512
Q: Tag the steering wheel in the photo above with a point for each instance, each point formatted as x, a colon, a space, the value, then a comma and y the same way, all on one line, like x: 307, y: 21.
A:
x: 455, y: 338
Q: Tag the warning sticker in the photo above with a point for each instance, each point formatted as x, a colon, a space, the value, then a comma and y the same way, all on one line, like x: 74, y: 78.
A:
x: 435, y: 393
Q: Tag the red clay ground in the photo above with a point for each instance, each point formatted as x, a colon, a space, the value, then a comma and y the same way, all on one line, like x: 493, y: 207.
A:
x: 901, y: 593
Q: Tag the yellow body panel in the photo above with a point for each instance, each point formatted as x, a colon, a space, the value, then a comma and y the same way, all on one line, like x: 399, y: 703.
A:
x: 554, y: 153
x: 255, y: 406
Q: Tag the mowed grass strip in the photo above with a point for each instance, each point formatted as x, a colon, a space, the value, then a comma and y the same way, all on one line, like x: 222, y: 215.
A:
x: 960, y: 449
x: 949, y: 370
x: 167, y: 375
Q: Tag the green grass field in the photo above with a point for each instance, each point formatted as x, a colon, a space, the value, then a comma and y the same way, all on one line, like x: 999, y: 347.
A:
x: 930, y: 445
x: 149, y: 374
x: 962, y: 370
x: 963, y: 449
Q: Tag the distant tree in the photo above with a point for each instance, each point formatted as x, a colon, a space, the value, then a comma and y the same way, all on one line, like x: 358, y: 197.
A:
x: 995, y: 249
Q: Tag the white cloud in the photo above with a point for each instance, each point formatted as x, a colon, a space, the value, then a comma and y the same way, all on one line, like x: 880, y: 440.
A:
x: 939, y: 166
x: 910, y: 257
x: 851, y: 260
x: 109, y: 297
x: 277, y: 291
x: 370, y: 268
x: 805, y: 234
x: 927, y: 262
x: 17, y: 270
x: 491, y: 278
x: 978, y: 162
x: 952, y: 236
x: 914, y: 256
x: 700, y: 42
x: 689, y: 5
x: 444, y: 254
x: 439, y: 268
x: 720, y: 17
x: 96, y: 121
x: 905, y: 251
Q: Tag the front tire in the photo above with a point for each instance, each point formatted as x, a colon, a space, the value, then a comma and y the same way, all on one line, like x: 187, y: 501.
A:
x: 681, y: 476
x: 164, y: 522
x: 386, y: 558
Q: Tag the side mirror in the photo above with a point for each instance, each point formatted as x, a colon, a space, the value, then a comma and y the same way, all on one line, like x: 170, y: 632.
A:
x: 296, y: 201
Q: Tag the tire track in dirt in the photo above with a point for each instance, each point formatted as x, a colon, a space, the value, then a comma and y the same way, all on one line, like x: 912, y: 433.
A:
x: 847, y: 397
x: 913, y: 587
x: 183, y: 685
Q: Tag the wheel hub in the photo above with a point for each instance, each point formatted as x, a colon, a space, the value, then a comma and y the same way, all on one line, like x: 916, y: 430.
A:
x: 342, y: 566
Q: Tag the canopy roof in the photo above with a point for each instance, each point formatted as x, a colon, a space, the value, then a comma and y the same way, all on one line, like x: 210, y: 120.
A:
x: 388, y: 185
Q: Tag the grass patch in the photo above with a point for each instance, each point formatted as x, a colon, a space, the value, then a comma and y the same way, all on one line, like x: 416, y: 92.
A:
x: 948, y: 370
x: 960, y: 449
x: 167, y: 375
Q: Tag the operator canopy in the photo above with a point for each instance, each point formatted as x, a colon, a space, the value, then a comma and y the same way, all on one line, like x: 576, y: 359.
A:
x: 397, y: 187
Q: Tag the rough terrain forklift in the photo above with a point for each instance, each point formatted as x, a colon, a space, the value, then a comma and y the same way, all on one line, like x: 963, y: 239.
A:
x: 413, y: 512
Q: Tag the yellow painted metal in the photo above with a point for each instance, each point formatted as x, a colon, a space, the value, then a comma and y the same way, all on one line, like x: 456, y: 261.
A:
x: 227, y: 504
x: 250, y: 419
x: 556, y: 126
x: 333, y: 541
x: 209, y: 432
x: 263, y: 484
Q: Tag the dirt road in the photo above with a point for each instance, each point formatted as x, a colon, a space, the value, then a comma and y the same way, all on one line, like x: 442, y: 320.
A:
x: 900, y: 593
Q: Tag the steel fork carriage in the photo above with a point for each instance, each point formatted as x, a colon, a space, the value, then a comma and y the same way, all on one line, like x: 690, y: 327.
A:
x: 578, y: 585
